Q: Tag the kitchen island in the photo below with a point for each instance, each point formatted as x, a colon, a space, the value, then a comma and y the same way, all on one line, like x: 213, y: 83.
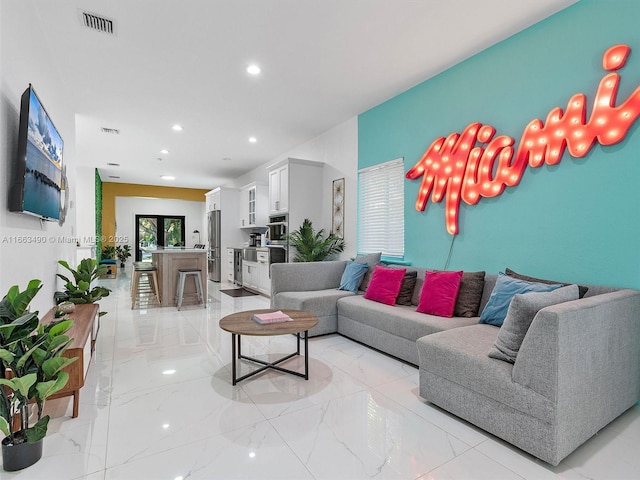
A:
x: 168, y: 261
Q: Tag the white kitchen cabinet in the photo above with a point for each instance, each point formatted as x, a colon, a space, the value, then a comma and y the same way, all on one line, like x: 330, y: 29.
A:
x: 279, y: 190
x: 296, y: 187
x: 250, y: 274
x: 253, y: 205
x: 213, y: 200
x: 229, y: 264
x: 263, y: 280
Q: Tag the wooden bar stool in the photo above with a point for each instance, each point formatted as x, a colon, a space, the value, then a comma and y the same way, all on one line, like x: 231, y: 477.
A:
x: 148, y: 271
x: 183, y: 273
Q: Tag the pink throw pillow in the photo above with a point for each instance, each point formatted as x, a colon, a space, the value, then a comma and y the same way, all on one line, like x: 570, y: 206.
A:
x: 439, y: 293
x: 385, y: 284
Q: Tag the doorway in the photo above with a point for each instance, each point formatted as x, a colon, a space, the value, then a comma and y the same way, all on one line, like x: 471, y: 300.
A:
x: 153, y: 231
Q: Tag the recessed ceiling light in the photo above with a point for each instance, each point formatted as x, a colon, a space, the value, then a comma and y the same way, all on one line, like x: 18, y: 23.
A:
x: 226, y: 159
x: 164, y: 151
x: 111, y: 164
x: 168, y: 177
x: 171, y: 371
x: 177, y: 128
x: 253, y: 139
x: 114, y: 176
x: 253, y: 70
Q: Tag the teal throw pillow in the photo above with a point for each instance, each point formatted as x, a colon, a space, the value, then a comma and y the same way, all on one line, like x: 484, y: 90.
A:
x: 506, y: 287
x: 352, y: 276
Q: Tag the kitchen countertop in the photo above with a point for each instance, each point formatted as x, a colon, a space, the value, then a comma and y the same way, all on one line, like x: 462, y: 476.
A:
x: 174, y: 250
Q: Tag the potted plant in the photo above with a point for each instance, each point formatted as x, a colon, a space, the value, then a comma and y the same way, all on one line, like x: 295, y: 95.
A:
x: 32, y: 364
x: 79, y: 290
x: 123, y: 252
x: 311, y: 246
x: 108, y: 252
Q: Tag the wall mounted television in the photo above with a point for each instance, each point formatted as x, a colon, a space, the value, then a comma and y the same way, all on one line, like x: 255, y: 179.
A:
x: 37, y: 170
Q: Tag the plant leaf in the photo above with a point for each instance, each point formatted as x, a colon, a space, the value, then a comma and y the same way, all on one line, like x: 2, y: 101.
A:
x: 38, y: 431
x: 46, y: 389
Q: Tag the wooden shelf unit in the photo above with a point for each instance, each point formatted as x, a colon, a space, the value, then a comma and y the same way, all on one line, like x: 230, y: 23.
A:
x: 86, y: 323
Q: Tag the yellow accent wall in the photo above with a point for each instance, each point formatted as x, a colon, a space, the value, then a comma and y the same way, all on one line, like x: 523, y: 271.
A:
x: 111, y: 190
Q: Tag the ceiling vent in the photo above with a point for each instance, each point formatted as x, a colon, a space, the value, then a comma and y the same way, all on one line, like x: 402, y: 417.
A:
x: 112, y: 131
x: 97, y: 23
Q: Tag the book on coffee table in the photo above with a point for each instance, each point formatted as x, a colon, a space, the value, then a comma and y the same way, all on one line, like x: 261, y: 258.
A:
x: 271, y: 317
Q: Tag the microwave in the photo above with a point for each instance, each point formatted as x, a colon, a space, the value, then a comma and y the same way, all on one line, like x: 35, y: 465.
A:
x: 278, y: 225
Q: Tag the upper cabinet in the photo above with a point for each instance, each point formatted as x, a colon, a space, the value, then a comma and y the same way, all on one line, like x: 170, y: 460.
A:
x: 295, y: 188
x: 213, y: 200
x: 253, y: 205
x: 279, y: 190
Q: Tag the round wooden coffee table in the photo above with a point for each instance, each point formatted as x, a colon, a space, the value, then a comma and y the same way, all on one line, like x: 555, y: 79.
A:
x: 240, y: 323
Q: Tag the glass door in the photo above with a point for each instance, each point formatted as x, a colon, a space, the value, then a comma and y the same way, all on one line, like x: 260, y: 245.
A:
x: 153, y: 231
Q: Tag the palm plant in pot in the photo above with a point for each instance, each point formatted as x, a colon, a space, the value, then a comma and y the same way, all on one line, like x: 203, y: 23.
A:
x: 312, y: 246
x: 32, y: 364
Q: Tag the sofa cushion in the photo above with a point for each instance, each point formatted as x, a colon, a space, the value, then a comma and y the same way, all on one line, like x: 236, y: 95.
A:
x: 318, y: 302
x: 385, y: 285
x: 470, y: 294
x: 506, y: 287
x: 522, y: 310
x: 406, y: 290
x: 582, y: 289
x: 439, y: 293
x: 398, y: 320
x: 460, y: 356
x: 352, y: 276
x: 371, y: 259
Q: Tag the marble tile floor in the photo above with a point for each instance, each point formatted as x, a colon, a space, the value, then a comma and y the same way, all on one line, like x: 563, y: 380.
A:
x: 158, y: 404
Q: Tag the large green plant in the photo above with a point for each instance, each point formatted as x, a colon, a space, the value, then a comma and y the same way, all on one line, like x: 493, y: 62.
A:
x: 123, y: 252
x: 79, y: 290
x: 311, y: 246
x: 32, y: 363
x: 108, y: 252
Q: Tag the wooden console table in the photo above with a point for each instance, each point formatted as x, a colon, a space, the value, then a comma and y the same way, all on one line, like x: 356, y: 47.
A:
x: 86, y: 323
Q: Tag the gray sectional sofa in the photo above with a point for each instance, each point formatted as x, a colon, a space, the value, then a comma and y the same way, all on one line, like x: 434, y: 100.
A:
x: 578, y: 367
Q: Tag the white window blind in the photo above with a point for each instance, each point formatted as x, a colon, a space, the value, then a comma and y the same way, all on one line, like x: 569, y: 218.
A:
x: 381, y: 209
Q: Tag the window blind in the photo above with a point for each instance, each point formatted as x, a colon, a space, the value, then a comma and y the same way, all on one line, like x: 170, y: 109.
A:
x: 381, y: 209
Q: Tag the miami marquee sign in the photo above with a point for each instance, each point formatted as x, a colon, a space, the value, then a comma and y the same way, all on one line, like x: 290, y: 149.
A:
x: 475, y: 163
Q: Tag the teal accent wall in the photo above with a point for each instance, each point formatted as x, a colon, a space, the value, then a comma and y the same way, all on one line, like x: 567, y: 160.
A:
x: 578, y: 220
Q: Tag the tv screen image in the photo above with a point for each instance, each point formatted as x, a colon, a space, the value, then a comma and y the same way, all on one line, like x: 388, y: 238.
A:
x: 38, y: 170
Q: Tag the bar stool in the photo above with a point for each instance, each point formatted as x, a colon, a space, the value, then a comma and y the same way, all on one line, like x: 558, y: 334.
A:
x: 150, y: 273
x: 197, y: 278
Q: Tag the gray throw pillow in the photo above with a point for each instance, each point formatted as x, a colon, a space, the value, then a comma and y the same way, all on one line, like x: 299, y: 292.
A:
x: 582, y: 289
x: 522, y: 310
x: 371, y: 259
x: 469, y: 295
x: 406, y: 290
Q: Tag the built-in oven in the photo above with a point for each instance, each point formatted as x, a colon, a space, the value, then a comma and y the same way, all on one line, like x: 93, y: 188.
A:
x: 278, y: 226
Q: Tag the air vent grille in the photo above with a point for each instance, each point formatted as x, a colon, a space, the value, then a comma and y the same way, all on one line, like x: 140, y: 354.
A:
x: 112, y: 131
x: 97, y: 23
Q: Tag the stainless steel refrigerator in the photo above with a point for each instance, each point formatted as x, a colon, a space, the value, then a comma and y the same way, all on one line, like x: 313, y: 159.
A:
x: 214, y: 245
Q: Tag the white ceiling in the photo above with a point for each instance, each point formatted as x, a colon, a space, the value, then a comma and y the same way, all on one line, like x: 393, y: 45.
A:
x: 323, y: 62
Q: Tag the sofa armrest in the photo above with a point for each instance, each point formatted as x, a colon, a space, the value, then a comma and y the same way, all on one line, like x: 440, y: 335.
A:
x: 306, y: 276
x: 584, y: 355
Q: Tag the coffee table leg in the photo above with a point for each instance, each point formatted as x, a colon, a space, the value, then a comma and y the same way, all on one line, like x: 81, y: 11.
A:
x: 298, y: 337
x: 306, y: 353
x: 233, y: 357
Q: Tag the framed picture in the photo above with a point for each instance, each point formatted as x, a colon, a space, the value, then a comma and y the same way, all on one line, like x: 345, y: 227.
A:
x: 337, y: 218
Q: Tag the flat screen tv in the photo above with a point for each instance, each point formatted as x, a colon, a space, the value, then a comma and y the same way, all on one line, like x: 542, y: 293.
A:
x: 37, y: 175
